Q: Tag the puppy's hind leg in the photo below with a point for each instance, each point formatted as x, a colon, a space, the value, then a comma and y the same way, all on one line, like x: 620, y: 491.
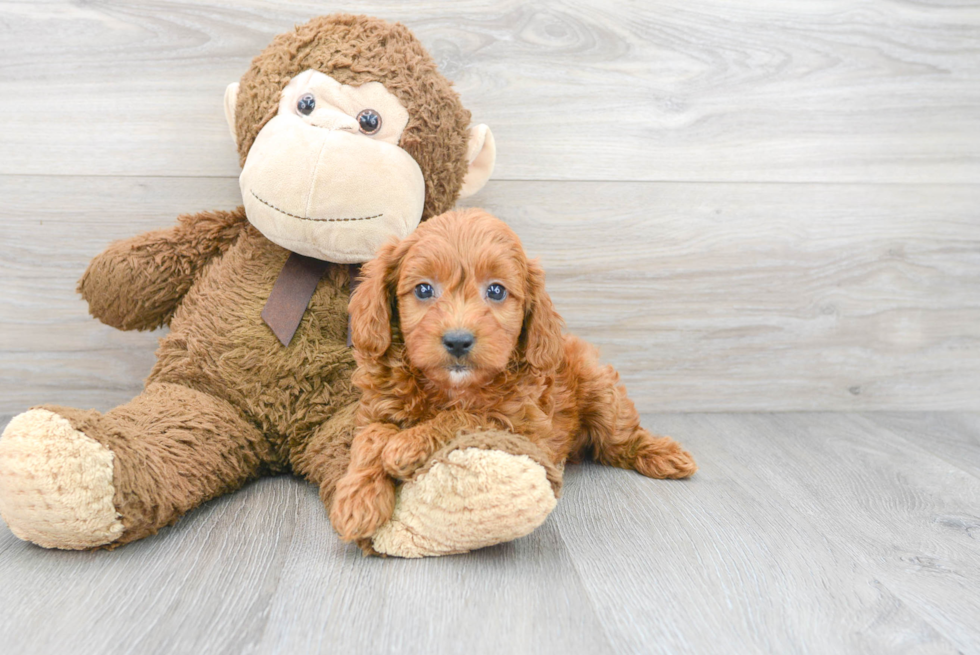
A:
x: 614, y: 432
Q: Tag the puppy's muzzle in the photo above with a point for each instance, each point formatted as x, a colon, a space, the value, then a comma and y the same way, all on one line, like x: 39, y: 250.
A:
x: 458, y: 342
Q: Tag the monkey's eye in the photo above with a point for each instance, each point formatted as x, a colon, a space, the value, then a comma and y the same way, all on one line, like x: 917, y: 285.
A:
x: 496, y: 292
x: 306, y: 104
x: 369, y: 120
x: 424, y: 291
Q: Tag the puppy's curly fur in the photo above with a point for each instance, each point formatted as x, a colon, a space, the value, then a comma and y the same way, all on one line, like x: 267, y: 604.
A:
x: 453, y: 331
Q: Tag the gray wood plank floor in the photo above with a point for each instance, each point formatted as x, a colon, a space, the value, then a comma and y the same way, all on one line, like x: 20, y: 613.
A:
x: 801, y: 533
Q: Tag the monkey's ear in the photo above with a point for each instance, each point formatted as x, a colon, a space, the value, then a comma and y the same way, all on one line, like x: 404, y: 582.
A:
x: 370, y: 305
x: 481, y: 153
x: 231, y: 97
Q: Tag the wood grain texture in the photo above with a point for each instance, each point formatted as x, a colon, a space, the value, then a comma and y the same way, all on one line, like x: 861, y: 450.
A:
x: 261, y: 572
x: 902, y: 514
x: 722, y: 564
x: 521, y: 597
x: 954, y: 437
x: 705, y: 297
x: 714, y: 90
x: 810, y: 533
x: 207, y: 580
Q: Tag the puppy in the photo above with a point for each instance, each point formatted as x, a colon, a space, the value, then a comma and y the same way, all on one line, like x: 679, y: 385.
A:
x: 453, y: 331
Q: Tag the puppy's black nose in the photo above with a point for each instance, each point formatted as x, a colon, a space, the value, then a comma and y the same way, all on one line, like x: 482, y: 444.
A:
x: 458, y: 342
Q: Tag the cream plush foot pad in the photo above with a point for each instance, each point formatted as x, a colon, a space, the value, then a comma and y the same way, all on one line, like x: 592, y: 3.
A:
x: 56, y: 483
x: 477, y: 498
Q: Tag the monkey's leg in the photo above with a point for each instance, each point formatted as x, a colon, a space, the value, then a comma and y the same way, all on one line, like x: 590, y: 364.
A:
x: 322, y: 457
x: 78, y: 479
x: 614, y: 431
x: 480, y: 489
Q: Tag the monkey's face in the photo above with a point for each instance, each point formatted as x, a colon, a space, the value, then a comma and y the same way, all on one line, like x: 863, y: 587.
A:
x: 326, y: 177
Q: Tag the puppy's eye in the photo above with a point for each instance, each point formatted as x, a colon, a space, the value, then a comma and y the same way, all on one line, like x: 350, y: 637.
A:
x: 424, y: 291
x: 369, y: 121
x: 306, y: 104
x: 496, y: 292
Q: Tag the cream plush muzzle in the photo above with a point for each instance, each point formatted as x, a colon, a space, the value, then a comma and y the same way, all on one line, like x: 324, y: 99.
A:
x: 316, y: 185
x: 359, y: 195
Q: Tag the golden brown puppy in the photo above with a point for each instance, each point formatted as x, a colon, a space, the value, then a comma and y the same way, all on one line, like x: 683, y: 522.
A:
x: 453, y: 331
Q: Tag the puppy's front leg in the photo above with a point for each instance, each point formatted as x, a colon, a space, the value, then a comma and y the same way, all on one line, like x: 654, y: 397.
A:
x: 365, y: 497
x: 411, y: 448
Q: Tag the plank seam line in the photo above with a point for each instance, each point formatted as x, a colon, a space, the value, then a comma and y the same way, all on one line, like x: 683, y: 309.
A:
x: 761, y: 182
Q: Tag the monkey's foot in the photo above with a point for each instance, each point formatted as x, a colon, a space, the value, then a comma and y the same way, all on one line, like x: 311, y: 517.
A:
x: 467, y: 499
x: 56, y: 484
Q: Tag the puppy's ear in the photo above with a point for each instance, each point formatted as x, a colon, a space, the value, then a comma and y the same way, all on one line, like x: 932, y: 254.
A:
x: 541, y: 338
x: 370, y: 305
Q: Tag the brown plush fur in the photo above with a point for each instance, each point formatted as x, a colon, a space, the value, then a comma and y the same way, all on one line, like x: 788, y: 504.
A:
x: 521, y: 374
x: 137, y: 284
x: 355, y: 50
x: 226, y: 401
x: 172, y: 447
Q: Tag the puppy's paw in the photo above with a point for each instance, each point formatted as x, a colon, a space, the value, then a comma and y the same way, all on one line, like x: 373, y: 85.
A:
x: 404, y: 455
x: 665, y: 458
x: 361, y: 506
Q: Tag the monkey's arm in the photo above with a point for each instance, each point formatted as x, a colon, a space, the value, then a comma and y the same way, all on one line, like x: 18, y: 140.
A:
x: 137, y: 283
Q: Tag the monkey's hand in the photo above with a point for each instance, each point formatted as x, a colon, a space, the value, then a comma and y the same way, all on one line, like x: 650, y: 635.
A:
x: 137, y: 283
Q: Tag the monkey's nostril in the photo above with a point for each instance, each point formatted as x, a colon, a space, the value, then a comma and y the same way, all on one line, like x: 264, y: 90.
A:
x: 458, y: 342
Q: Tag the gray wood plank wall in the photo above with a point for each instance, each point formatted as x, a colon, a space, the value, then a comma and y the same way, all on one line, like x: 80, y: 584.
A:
x: 747, y: 205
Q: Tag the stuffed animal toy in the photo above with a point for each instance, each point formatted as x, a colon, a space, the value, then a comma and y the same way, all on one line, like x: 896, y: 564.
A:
x: 348, y: 136
x: 453, y: 330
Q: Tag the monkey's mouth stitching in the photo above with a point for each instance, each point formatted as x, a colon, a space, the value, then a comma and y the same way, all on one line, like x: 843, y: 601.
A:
x: 307, y: 218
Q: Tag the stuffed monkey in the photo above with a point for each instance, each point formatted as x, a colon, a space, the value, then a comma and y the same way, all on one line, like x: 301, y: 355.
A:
x: 348, y: 136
